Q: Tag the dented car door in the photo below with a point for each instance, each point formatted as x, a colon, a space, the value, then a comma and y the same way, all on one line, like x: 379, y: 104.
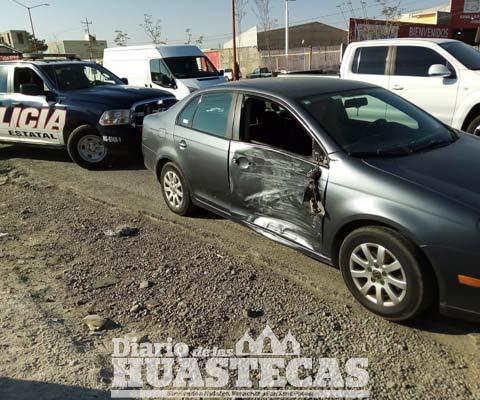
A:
x: 278, y: 193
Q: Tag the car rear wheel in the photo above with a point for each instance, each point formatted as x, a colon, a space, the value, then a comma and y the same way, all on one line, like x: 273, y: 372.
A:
x: 175, y: 190
x: 474, y: 126
x: 85, y: 147
x: 386, y: 273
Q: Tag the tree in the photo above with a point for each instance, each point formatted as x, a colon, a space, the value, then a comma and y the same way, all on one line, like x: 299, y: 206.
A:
x: 121, y: 38
x: 391, y: 12
x: 263, y: 11
x: 35, y: 44
x: 153, y: 29
x: 240, y: 13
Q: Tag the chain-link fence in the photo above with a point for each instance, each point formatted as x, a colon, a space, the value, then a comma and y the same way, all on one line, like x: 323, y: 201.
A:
x: 325, y: 58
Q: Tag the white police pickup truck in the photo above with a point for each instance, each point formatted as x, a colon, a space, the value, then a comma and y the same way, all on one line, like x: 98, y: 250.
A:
x: 442, y: 76
x: 74, y: 104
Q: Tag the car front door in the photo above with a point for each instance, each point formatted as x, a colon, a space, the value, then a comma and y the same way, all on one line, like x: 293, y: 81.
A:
x: 410, y: 79
x: 202, y: 139
x: 278, y: 176
x: 33, y: 115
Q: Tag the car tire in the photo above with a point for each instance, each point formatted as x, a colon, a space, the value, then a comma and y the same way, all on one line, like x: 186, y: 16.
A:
x: 86, y: 148
x: 399, y: 285
x: 474, y: 126
x: 175, y: 190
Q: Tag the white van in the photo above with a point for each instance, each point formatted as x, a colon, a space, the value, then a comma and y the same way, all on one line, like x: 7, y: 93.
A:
x: 177, y: 69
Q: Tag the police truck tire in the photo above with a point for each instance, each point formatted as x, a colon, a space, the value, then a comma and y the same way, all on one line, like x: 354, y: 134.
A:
x: 86, y: 148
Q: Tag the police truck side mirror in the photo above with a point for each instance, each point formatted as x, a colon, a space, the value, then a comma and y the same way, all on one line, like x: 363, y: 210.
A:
x: 31, y: 89
x: 124, y: 80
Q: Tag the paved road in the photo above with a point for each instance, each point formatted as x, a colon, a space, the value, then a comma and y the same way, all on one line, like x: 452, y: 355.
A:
x: 132, y: 187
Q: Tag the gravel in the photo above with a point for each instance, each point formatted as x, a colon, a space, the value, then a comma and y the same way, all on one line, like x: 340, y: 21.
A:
x: 196, y: 292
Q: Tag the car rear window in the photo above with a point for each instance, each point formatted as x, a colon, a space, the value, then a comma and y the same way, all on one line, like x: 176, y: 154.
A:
x: 370, y: 60
x: 212, y: 114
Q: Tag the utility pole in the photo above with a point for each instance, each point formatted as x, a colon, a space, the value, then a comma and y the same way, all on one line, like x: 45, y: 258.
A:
x: 234, y: 30
x: 31, y: 21
x: 286, y: 33
x: 87, y: 24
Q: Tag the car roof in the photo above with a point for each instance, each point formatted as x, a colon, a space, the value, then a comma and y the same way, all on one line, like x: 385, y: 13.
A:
x: 403, y: 40
x: 296, y: 86
x: 46, y: 62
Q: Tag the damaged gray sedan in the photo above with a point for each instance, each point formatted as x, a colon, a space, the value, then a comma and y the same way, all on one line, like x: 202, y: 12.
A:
x: 346, y: 172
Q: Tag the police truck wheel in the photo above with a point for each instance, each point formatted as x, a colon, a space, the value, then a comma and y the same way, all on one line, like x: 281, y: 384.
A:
x: 86, y: 148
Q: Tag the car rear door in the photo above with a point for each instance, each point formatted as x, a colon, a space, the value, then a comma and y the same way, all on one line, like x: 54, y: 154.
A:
x: 202, y: 140
x: 410, y: 79
x: 371, y: 64
x: 277, y: 176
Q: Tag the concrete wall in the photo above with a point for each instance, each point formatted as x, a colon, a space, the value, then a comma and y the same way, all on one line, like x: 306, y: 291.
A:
x: 248, y: 58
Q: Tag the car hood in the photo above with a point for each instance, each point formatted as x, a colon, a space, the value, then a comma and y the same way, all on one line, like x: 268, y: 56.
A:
x: 119, y: 96
x: 451, y: 171
x: 202, y: 83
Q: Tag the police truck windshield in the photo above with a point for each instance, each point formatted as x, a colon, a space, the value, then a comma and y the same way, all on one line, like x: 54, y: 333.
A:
x: 75, y: 76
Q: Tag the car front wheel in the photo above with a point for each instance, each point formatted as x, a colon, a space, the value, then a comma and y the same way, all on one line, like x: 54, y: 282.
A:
x: 175, y: 190
x: 386, y: 273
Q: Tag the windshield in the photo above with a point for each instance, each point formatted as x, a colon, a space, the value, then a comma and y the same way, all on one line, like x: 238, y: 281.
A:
x: 464, y: 53
x: 76, y: 76
x: 191, y: 67
x: 375, y: 122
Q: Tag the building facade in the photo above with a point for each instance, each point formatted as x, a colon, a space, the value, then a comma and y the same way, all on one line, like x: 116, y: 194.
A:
x: 16, y: 39
x: 88, y: 49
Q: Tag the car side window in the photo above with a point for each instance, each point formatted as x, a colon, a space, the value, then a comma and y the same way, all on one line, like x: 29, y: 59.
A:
x: 23, y: 76
x: 268, y: 123
x: 3, y: 78
x: 370, y: 60
x: 416, y: 61
x: 185, y: 118
x: 212, y: 114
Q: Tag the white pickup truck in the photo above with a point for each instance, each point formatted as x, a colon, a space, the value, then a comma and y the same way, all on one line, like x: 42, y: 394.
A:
x: 442, y: 76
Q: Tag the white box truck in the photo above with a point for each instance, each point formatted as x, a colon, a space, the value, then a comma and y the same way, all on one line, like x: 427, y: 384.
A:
x: 179, y: 70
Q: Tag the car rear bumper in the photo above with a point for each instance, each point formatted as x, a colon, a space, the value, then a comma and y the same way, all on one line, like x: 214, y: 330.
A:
x: 456, y: 299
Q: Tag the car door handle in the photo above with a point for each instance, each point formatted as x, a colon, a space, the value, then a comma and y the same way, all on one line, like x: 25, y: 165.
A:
x: 182, y: 144
x: 397, y: 87
x: 242, y: 162
x: 17, y: 104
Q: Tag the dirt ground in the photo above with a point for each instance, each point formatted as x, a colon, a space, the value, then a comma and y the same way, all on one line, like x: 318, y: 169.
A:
x: 60, y: 261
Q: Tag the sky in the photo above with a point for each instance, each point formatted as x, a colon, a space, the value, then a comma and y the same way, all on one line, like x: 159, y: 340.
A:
x: 208, y: 18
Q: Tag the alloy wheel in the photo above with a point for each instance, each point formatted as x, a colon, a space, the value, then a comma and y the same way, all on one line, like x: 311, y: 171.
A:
x: 378, y: 275
x: 172, y: 186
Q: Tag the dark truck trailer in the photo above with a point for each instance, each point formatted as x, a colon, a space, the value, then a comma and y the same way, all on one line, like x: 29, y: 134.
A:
x: 74, y: 104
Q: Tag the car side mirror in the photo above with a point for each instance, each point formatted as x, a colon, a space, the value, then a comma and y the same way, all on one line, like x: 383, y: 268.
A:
x: 31, y: 89
x: 440, y: 70
x: 221, y: 72
x: 124, y: 80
